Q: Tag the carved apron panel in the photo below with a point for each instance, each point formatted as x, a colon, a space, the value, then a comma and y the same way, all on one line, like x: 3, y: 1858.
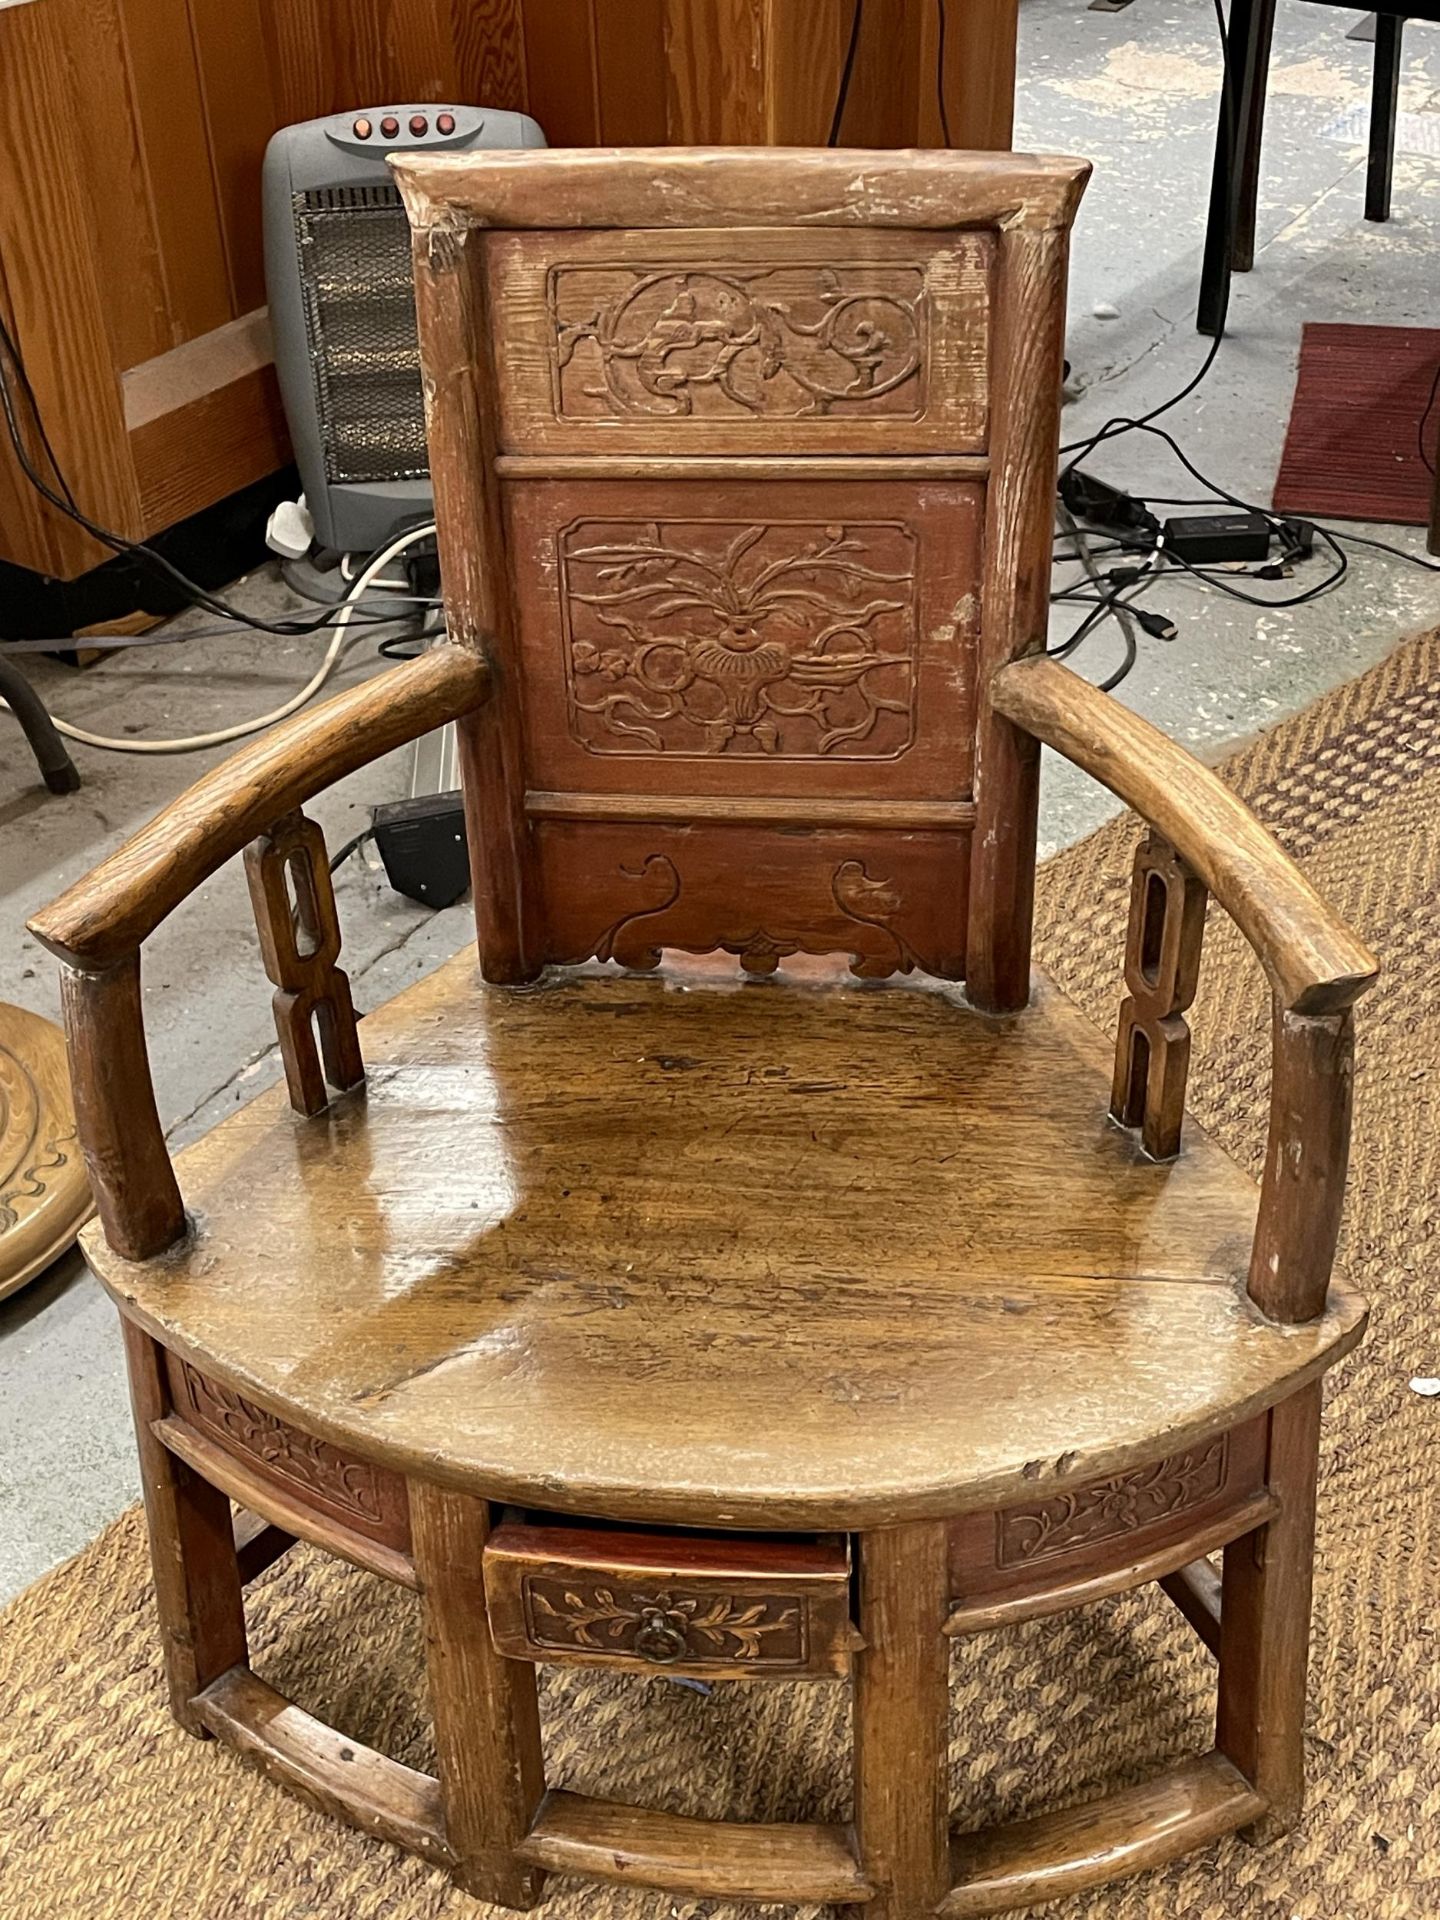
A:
x: 365, y: 1498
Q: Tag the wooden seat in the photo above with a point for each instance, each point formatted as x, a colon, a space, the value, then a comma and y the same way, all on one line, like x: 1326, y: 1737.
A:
x: 640, y: 1316
x: 683, y: 1213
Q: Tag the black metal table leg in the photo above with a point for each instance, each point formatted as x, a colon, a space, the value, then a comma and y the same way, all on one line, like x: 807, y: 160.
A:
x: 59, y: 770
x: 1384, y: 110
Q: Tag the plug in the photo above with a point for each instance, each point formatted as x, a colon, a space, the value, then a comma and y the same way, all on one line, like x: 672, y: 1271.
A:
x: 1158, y: 625
x: 1103, y: 505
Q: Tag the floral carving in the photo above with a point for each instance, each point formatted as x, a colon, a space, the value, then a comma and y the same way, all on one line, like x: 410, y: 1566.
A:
x: 348, y: 1485
x: 791, y: 639
x: 730, y: 341
x: 1119, y: 1505
x: 768, y: 1630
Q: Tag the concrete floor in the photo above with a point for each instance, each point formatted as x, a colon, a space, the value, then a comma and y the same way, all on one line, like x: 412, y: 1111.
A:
x: 1135, y: 91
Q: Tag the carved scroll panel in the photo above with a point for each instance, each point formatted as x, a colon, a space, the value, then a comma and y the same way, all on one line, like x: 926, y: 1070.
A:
x: 721, y: 342
x: 890, y: 902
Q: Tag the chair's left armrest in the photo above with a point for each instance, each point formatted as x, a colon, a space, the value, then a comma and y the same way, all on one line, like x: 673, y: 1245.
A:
x: 1315, y: 963
x: 107, y: 915
x: 97, y: 927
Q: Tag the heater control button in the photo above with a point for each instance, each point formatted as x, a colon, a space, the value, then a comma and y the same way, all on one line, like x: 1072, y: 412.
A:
x: 445, y: 123
x: 362, y: 129
x: 389, y: 126
x: 419, y: 124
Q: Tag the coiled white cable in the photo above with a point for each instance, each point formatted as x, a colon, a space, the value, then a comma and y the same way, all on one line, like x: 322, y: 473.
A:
x: 192, y: 744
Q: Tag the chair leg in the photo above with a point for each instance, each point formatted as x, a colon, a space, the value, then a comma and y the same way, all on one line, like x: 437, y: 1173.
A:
x: 1242, y: 107
x: 486, y: 1717
x: 198, y: 1591
x: 1265, y: 1624
x: 1384, y: 111
x: 902, y: 1699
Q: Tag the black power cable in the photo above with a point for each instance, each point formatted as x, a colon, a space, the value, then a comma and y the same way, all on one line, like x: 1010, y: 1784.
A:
x: 940, y: 100
x: 847, y: 73
x: 64, y: 502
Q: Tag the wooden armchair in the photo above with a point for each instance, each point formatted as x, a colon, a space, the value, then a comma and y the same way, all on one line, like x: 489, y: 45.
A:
x: 638, y: 1318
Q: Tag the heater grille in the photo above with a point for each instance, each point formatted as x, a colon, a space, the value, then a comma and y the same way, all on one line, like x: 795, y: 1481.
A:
x: 359, y: 299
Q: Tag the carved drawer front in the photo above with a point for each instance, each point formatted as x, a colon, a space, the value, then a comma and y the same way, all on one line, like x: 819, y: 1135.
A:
x: 704, y: 1605
x: 362, y: 1499
x: 753, y: 342
x: 1057, y: 1538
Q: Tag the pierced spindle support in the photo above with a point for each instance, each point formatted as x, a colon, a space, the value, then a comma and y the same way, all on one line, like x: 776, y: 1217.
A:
x: 299, y: 929
x: 1162, y: 971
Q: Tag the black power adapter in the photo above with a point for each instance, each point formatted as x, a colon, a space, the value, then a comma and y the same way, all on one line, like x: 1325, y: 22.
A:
x: 422, y: 843
x: 1202, y: 539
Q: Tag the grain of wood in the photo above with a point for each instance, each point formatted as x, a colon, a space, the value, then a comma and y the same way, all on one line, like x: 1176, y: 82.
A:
x: 873, y: 1202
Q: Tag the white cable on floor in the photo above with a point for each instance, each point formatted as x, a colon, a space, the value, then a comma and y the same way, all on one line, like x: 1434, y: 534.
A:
x: 312, y: 686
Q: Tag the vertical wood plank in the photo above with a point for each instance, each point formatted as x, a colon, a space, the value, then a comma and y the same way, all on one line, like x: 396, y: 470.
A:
x: 1265, y: 1624
x: 715, y: 59
x: 804, y: 58
x: 487, y: 1721
x: 53, y: 294
x: 127, y: 249
x: 198, y: 1591
x: 170, y: 115
x: 238, y: 102
x: 560, y: 70
x: 489, y: 41
x: 979, y: 74
x: 120, y: 1135
x: 630, y: 73
x: 461, y: 410
x: 302, y: 59
x: 902, y: 1812
x: 1027, y: 359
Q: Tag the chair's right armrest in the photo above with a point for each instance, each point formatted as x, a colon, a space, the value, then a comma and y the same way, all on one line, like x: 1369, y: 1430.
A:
x: 119, y: 903
x: 1315, y: 963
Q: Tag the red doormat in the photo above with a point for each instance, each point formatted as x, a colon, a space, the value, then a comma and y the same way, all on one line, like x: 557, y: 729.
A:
x: 1351, y: 451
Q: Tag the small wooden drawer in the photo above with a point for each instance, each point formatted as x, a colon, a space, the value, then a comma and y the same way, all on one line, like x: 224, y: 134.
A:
x: 714, y: 1606
x: 353, y: 1496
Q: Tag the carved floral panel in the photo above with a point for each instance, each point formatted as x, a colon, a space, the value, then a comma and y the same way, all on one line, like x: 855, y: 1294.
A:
x: 1104, y: 1509
x: 790, y: 639
x: 730, y: 342
x: 349, y: 1487
x: 665, y: 1626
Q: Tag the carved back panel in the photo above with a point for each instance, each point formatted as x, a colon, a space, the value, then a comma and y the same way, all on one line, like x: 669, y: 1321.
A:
x: 743, y: 464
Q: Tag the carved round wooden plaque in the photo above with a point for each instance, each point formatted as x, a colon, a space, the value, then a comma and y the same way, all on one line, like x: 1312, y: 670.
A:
x: 44, y: 1195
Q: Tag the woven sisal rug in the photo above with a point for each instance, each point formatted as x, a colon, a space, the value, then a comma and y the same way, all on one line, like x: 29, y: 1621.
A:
x: 107, y: 1812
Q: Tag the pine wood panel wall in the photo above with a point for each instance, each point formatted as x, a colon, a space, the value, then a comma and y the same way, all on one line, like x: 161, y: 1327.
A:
x: 131, y: 136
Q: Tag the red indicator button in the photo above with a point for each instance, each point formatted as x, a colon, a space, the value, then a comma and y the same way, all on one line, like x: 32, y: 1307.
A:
x: 362, y: 129
x: 389, y: 126
x: 419, y: 124
x: 445, y: 123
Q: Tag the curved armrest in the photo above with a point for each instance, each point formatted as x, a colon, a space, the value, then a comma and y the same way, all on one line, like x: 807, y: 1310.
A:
x: 104, y: 917
x: 1315, y: 963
